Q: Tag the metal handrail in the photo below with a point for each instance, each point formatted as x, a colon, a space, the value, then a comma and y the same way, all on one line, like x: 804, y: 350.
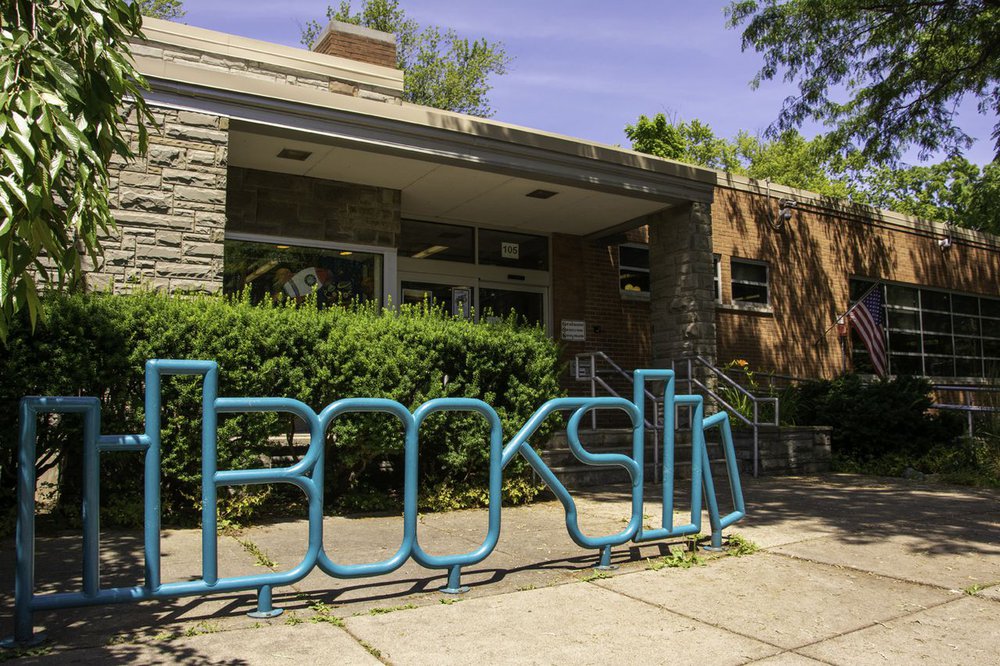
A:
x: 593, y: 375
x: 969, y: 408
x: 755, y: 423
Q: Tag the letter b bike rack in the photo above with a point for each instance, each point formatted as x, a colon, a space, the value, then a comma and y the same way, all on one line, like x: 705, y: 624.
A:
x: 307, y: 475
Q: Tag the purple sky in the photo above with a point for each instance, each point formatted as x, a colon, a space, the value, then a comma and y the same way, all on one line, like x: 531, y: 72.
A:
x: 583, y: 68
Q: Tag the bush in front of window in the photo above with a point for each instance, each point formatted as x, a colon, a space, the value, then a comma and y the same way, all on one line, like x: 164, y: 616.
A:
x: 872, y: 420
x: 97, y: 345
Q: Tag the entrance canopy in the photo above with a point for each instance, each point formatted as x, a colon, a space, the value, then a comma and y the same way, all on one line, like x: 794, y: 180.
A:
x: 448, y: 166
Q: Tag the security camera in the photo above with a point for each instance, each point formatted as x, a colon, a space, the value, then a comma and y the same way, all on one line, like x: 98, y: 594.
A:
x: 945, y: 243
x: 786, y: 206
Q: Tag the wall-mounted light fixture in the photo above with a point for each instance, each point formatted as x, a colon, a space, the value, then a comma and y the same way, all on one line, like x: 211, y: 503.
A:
x: 785, y: 207
x: 945, y: 243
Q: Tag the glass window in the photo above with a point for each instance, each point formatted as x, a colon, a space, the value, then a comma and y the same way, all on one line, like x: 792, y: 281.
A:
x: 936, y: 322
x: 279, y: 272
x: 991, y: 328
x: 444, y: 242
x: 968, y: 367
x: 991, y: 307
x: 902, y: 296
x: 516, y: 250
x: 749, y: 282
x: 939, y: 366
x: 454, y: 299
x: 903, y: 320
x: 966, y: 325
x: 901, y: 365
x: 633, y: 270
x: 527, y: 305
x: 906, y: 342
x: 859, y: 287
x: 968, y: 347
x: 935, y: 300
x: 934, y: 332
x: 965, y: 304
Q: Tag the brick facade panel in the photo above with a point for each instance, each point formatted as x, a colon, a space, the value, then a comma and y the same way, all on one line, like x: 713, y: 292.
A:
x: 810, y: 261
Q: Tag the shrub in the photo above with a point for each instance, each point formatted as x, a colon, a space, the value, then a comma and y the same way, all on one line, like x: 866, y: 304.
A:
x: 872, y: 420
x: 97, y: 345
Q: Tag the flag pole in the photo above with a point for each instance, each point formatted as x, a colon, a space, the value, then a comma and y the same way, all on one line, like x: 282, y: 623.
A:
x: 846, y: 312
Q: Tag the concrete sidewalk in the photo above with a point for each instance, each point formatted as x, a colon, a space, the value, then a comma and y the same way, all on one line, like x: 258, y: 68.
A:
x: 851, y: 570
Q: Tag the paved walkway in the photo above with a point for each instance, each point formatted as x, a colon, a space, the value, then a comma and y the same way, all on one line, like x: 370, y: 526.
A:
x: 850, y: 571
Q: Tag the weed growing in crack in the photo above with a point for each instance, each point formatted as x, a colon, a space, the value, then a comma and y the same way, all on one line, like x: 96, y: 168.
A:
x: 740, y: 546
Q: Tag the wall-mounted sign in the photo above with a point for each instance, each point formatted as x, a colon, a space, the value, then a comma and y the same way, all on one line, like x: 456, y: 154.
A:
x: 510, y: 250
x: 573, y: 330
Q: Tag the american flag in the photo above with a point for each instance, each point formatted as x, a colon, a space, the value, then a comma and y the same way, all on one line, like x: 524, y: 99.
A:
x: 866, y: 317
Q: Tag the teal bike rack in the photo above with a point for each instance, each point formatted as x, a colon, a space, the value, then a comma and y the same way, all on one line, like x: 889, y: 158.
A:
x: 307, y: 475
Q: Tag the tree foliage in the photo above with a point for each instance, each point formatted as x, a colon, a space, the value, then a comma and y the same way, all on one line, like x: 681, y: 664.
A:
x: 905, y: 66
x: 171, y: 10
x: 441, y: 69
x: 954, y: 191
x: 65, y: 70
x: 789, y: 159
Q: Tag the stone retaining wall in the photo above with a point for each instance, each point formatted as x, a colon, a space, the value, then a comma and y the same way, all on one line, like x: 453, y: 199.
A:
x: 786, y: 450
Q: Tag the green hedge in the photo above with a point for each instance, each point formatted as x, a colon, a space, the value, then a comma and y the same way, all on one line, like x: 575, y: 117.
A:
x: 97, y: 345
x: 871, y: 420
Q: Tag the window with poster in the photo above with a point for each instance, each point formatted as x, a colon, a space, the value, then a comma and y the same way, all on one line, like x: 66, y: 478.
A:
x: 283, y: 269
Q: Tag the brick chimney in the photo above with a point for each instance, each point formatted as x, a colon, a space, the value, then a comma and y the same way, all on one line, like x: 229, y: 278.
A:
x: 346, y: 40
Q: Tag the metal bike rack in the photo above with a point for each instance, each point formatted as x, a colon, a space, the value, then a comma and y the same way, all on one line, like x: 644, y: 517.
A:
x: 307, y: 475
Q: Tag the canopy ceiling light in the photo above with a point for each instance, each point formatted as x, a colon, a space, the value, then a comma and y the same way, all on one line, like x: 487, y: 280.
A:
x: 294, y: 154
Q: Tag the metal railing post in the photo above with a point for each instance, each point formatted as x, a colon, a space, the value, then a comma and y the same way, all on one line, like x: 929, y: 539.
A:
x: 756, y: 448
x: 593, y: 389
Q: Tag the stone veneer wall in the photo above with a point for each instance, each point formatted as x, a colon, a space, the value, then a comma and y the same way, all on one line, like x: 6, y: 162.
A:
x: 682, y: 304
x: 170, y: 209
x: 262, y: 71
x: 285, y: 205
x: 786, y: 450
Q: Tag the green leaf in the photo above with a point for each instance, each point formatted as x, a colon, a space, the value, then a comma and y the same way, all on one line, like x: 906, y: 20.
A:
x: 31, y: 296
x: 22, y: 135
x: 15, y: 161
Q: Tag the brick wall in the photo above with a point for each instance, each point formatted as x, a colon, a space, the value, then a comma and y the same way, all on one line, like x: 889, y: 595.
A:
x: 277, y: 204
x: 585, y: 286
x: 170, y: 209
x: 810, y: 261
x: 349, y: 41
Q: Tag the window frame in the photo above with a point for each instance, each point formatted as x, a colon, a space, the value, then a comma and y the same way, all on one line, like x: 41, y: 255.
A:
x: 388, y: 293
x: 633, y: 295
x: 923, y: 314
x: 750, y: 305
